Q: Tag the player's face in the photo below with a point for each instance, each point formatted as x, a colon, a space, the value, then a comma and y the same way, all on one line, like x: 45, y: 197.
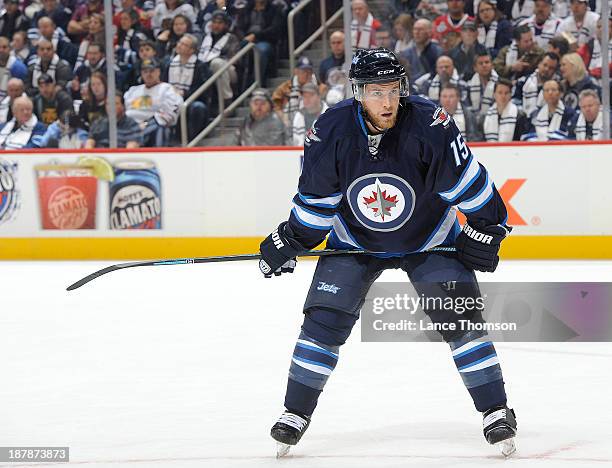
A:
x: 381, y: 102
x: 589, y: 106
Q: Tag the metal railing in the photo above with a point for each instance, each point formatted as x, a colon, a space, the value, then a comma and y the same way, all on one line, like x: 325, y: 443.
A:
x: 322, y: 30
x: 222, y: 110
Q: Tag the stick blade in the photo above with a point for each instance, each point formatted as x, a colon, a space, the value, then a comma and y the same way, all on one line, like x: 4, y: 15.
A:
x: 91, y: 277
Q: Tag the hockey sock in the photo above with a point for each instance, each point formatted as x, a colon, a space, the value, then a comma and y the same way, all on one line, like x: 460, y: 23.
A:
x: 479, y: 368
x: 311, y: 365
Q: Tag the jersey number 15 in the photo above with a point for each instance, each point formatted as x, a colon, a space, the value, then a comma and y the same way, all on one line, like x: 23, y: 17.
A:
x: 459, y: 149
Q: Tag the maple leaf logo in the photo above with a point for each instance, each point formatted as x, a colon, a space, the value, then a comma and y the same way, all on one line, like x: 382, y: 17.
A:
x: 380, y: 203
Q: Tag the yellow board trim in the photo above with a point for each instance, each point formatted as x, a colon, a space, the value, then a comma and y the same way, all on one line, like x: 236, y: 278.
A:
x: 95, y: 248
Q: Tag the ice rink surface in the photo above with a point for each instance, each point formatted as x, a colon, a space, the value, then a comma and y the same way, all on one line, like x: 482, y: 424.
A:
x: 186, y: 366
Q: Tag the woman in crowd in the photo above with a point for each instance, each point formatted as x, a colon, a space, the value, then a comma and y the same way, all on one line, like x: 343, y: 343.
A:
x: 168, y: 38
x: 494, y: 31
x: 92, y: 107
x: 402, y: 31
x: 96, y: 34
x: 575, y: 79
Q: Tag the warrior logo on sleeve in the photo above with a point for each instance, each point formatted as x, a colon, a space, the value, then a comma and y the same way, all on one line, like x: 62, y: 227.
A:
x: 381, y: 202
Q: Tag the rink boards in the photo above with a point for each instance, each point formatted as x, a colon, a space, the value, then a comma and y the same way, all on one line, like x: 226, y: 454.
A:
x: 215, y: 201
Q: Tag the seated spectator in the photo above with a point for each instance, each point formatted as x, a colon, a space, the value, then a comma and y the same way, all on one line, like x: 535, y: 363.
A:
x: 591, y: 51
x: 421, y: 56
x: 47, y: 29
x: 20, y: 46
x: 504, y: 120
x: 481, y: 85
x: 543, y: 23
x: 528, y: 94
x: 518, y: 11
x: 127, y: 40
x: 50, y: 102
x: 218, y: 46
x: 589, y: 122
x: 166, y: 10
x: 186, y: 73
x: 494, y: 31
x: 581, y: 23
x: 363, y: 26
x: 384, y: 39
x: 445, y: 73
x: 402, y: 31
x: 94, y: 36
x: 96, y: 62
x: 167, y: 39
x: 519, y: 58
x: 56, y: 11
x: 129, y: 133
x: 287, y: 97
x: 153, y: 104
x: 336, y: 59
x: 552, y: 121
x: 47, y: 61
x: 10, y: 66
x: 559, y: 45
x: 23, y: 130
x: 146, y: 51
x: 262, y: 24
x: 561, y: 8
x: 452, y: 21
x: 94, y: 97
x: 428, y: 9
x: 129, y: 7
x: 463, y: 116
x: 78, y: 27
x: 12, y: 19
x: 575, y: 79
x: 262, y: 127
x: 67, y: 132
x: 305, y: 117
x: 14, y: 89
x: 465, y: 52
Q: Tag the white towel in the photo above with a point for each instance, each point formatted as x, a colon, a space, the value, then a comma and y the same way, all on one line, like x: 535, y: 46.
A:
x: 482, y: 99
x: 208, y: 51
x: 597, y: 127
x: 181, y: 75
x: 500, y: 128
x: 547, y: 130
x: 361, y: 35
x: 20, y: 137
x: 487, y: 38
x: 533, y: 95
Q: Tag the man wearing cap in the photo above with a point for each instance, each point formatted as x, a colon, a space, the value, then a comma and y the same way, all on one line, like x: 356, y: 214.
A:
x: 23, y: 130
x: 582, y: 23
x: 452, y: 21
x: 12, y: 19
x: 543, y: 23
x: 287, y: 97
x: 262, y: 127
x: 464, y: 53
x: 153, y: 104
x: 306, y: 116
x: 47, y: 61
x: 50, y: 102
x: 217, y: 48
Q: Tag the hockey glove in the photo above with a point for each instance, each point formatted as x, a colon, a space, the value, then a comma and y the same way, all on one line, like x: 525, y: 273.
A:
x: 278, y: 253
x: 478, y: 248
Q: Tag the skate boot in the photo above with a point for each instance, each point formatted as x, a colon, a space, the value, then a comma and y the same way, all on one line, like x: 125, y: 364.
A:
x: 288, y: 431
x: 499, y: 427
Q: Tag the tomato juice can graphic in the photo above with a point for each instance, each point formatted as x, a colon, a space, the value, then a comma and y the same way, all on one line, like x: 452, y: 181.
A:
x: 135, y: 196
x: 67, y: 196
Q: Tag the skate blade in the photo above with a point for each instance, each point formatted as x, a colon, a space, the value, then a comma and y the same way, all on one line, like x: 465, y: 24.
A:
x: 508, y: 447
x: 282, y: 449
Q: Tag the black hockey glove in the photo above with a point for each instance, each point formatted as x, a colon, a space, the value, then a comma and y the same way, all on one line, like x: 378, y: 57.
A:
x: 278, y: 253
x: 478, y: 248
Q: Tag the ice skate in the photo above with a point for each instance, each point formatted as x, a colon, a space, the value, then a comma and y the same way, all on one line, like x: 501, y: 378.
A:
x: 288, y: 431
x: 499, y: 428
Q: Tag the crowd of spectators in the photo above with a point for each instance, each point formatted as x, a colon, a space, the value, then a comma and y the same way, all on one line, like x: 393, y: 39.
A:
x: 505, y: 70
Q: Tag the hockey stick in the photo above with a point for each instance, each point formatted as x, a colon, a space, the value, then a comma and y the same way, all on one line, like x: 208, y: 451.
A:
x: 186, y: 261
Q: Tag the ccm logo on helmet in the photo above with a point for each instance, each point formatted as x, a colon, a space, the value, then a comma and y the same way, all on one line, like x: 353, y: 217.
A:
x: 384, y: 72
x: 477, y: 236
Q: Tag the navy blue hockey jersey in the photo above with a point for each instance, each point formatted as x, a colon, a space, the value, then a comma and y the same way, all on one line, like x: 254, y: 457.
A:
x: 397, y: 194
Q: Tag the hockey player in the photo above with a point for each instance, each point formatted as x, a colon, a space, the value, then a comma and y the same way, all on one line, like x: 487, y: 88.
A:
x: 385, y: 172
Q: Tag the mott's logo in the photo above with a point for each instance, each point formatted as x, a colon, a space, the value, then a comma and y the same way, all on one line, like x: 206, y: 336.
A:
x: 507, y: 191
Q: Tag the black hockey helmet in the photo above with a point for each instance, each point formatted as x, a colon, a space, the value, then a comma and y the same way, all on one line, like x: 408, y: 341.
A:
x: 376, y: 66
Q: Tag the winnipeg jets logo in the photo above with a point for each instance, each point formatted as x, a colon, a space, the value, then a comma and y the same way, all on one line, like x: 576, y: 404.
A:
x: 311, y: 136
x: 373, y: 142
x: 440, y: 116
x: 381, y: 202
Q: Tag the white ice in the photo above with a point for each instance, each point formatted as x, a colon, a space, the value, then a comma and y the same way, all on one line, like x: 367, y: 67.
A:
x: 186, y: 366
